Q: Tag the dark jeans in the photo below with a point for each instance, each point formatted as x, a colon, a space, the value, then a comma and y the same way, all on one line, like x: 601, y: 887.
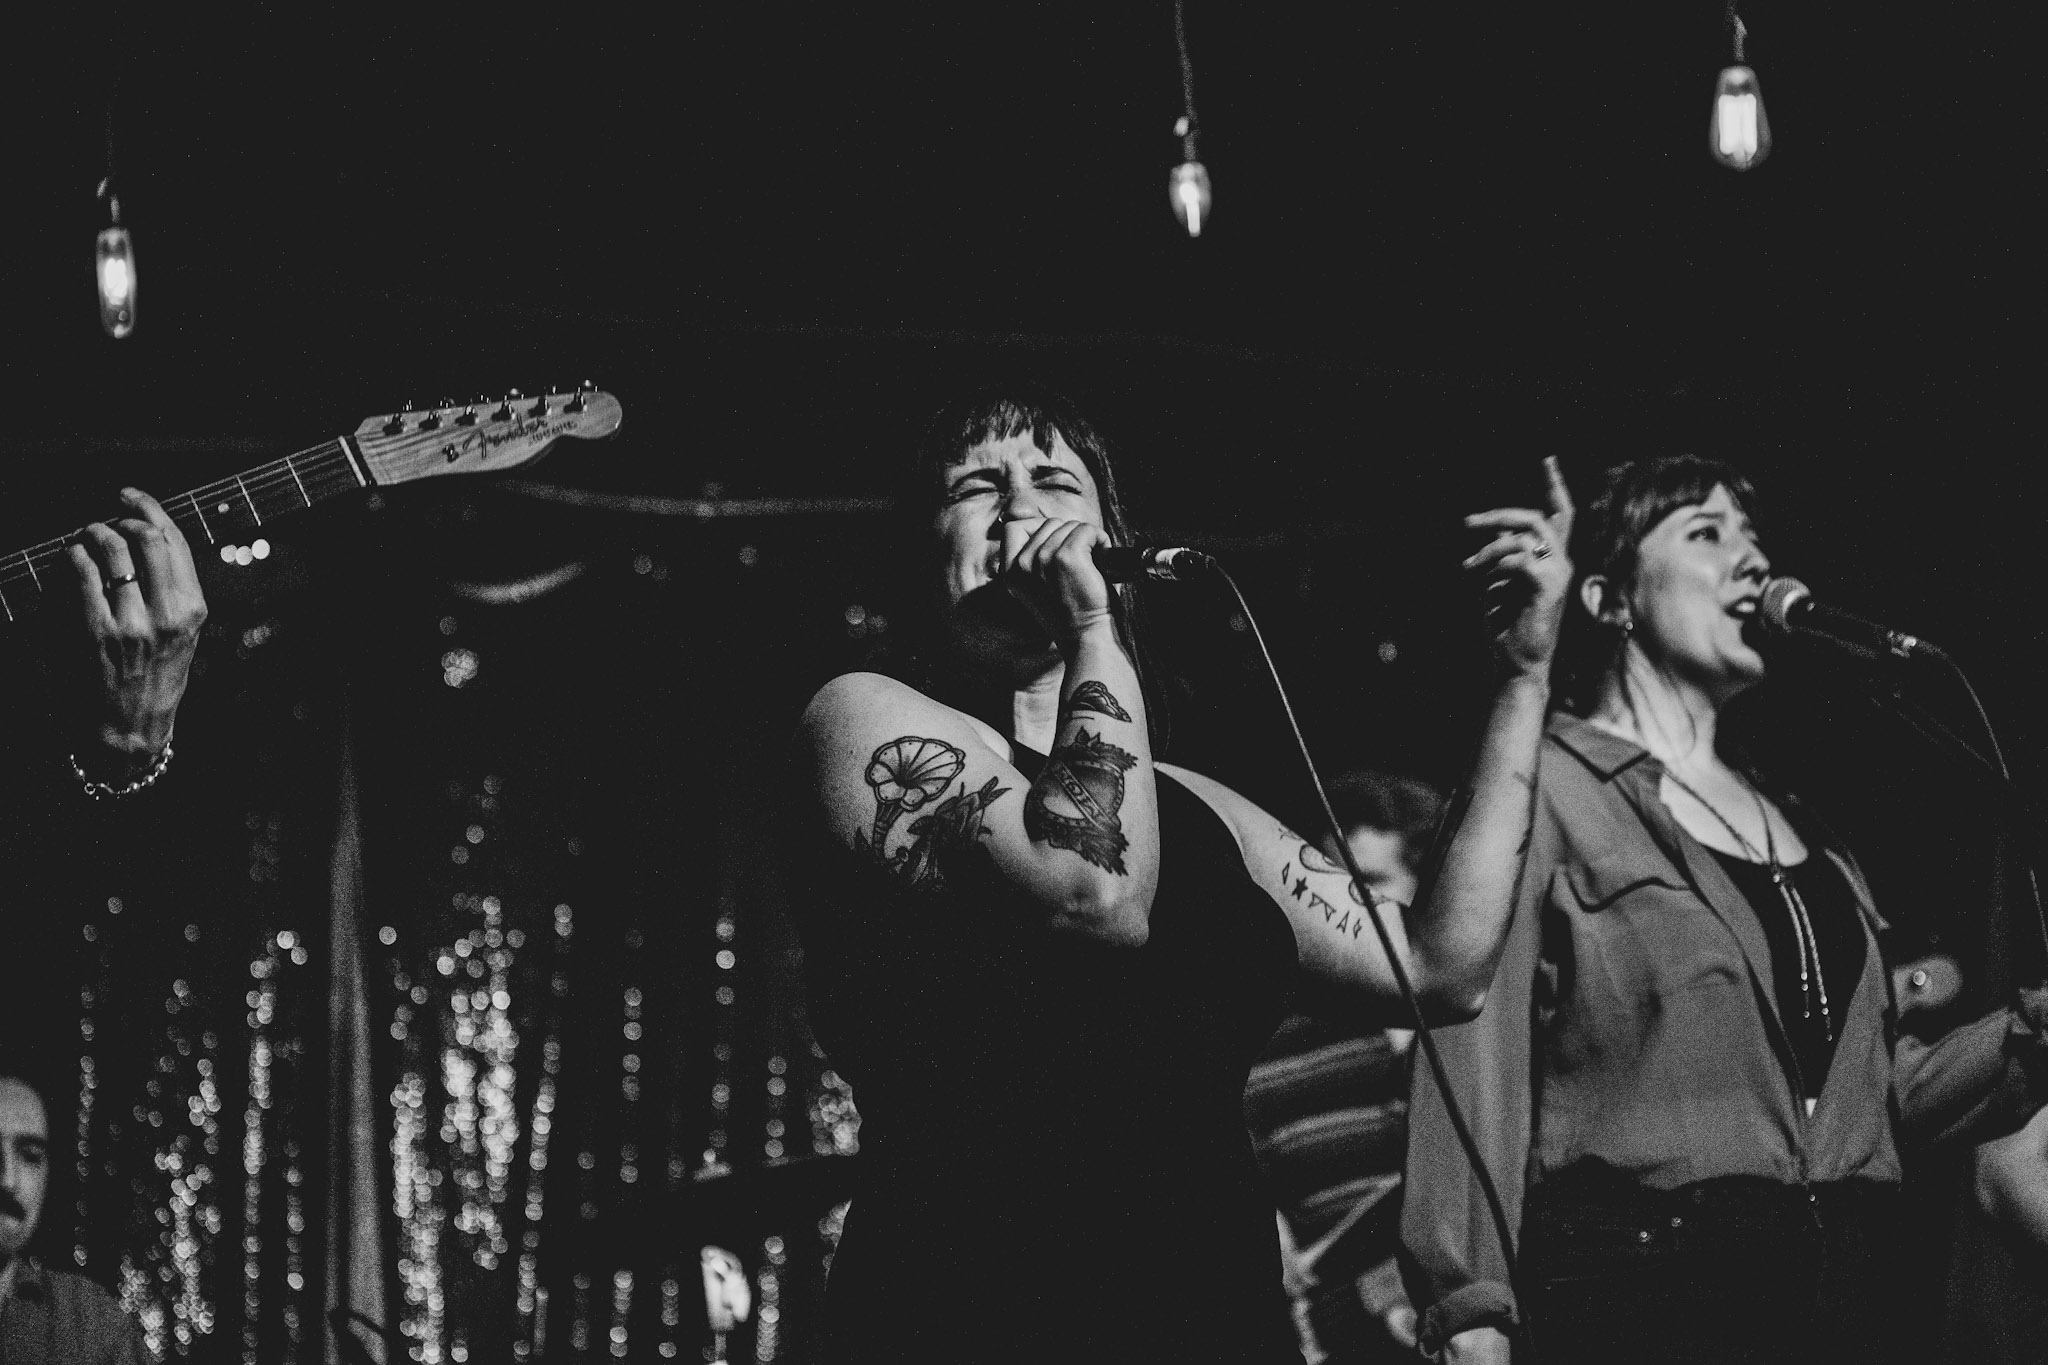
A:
x: 1735, y: 1271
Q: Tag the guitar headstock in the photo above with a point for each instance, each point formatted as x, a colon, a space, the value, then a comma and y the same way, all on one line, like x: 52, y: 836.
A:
x: 489, y: 434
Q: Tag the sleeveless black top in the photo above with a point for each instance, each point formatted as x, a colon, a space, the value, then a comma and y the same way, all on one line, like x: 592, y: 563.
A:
x: 1054, y: 1158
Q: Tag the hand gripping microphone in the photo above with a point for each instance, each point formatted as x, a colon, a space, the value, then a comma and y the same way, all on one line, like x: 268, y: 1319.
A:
x: 1130, y: 563
x: 1788, y: 606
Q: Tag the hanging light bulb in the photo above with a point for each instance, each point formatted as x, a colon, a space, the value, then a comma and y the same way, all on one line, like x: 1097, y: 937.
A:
x: 1738, y: 135
x: 1189, y: 189
x: 114, y: 268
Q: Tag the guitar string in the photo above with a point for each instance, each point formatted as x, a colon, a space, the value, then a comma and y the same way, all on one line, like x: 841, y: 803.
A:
x: 285, y: 471
x: 278, y: 473
x: 262, y: 478
x: 181, y: 506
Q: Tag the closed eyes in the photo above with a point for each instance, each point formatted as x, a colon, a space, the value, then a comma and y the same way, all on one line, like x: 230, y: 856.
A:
x: 974, y: 487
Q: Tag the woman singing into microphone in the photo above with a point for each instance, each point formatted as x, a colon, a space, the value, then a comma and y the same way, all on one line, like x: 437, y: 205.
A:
x: 1687, y: 1080
x: 1047, y: 960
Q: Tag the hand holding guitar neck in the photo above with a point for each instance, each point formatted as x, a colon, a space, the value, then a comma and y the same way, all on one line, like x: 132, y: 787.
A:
x: 134, y: 588
x: 132, y: 578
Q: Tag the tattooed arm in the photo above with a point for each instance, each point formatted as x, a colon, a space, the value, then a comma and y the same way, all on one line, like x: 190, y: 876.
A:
x: 1449, y: 958
x: 1451, y: 942
x: 1333, y: 937
x: 920, y: 789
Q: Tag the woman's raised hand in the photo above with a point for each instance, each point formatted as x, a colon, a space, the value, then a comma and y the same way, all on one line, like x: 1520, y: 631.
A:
x: 1525, y: 575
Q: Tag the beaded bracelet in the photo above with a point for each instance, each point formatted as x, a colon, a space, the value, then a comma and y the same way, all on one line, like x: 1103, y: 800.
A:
x: 104, y: 791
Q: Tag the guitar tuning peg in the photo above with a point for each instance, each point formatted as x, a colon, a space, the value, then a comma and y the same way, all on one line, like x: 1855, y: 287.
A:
x: 504, y: 412
x: 468, y: 417
x: 397, y: 422
x: 540, y: 408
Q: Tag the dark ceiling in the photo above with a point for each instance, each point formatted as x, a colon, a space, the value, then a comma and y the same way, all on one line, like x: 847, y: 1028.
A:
x: 1446, y: 240
x: 331, y: 206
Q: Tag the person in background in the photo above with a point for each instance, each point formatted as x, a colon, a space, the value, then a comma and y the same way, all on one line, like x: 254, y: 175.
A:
x: 1327, y: 1105
x: 119, y: 628
x: 1995, y: 1253
x: 1999, y: 1278
x: 47, y: 1316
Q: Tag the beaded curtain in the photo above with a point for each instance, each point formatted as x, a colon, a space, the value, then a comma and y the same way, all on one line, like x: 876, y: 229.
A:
x: 466, y: 1014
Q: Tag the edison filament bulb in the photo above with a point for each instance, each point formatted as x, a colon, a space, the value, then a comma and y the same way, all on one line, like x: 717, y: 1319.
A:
x: 1740, y: 135
x: 1189, y: 191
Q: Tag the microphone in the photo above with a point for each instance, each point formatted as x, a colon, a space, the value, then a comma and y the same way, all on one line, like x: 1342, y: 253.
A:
x: 1788, y: 606
x: 1130, y: 563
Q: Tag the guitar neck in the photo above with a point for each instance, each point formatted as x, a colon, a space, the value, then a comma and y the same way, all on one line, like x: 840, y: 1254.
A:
x: 450, y: 439
x: 231, y: 512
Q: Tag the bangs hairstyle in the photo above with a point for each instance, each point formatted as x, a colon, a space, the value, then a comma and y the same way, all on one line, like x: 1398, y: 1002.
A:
x: 993, y: 414
x: 1634, y: 499
x: 996, y: 414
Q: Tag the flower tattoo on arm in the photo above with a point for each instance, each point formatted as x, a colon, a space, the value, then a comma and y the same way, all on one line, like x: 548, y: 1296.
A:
x: 908, y: 775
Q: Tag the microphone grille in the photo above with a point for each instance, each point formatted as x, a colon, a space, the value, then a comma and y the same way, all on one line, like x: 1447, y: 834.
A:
x: 1781, y: 597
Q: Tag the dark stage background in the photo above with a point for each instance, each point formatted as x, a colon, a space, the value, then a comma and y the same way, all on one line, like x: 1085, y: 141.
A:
x: 509, y: 751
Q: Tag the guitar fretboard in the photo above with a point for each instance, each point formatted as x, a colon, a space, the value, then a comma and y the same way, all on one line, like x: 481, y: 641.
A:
x: 230, y: 511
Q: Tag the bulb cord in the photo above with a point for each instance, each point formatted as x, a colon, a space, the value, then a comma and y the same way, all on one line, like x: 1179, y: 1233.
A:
x: 1188, y: 123
x: 1740, y: 32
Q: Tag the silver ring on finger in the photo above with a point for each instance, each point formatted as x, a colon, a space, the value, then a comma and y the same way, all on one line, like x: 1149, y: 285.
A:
x: 119, y: 580
x: 1542, y: 550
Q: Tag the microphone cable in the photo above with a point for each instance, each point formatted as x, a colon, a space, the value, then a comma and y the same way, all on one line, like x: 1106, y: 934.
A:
x: 1893, y: 699
x: 1998, y: 761
x: 1525, y: 1346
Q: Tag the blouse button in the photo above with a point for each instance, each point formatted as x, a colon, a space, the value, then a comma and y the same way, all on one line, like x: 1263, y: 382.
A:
x: 1643, y: 1236
x: 1676, y: 1221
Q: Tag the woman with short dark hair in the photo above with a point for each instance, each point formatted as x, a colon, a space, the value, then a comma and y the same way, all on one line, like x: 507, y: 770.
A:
x: 1046, y: 960
x: 1686, y: 1081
